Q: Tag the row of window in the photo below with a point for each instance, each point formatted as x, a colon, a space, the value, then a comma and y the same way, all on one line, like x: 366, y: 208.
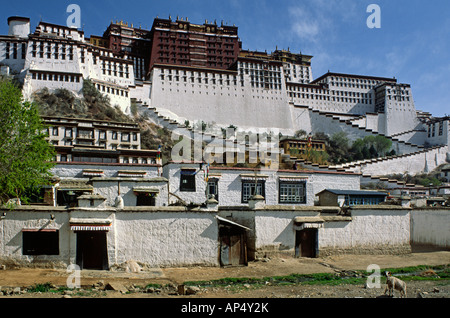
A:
x: 355, y: 80
x: 257, y: 66
x: 432, y: 129
x: 102, y: 134
x: 328, y: 98
x: 356, y: 200
x: 111, y: 90
x: 57, y: 50
x: 302, y: 72
x: 200, y: 80
x: 97, y: 159
x: 11, y: 51
x: 289, y: 192
x: 56, y: 77
x: 115, y: 69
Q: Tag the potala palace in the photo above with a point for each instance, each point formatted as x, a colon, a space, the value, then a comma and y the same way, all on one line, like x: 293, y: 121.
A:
x: 109, y: 191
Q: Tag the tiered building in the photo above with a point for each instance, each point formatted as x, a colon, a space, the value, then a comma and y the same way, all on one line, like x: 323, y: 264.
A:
x: 199, y: 72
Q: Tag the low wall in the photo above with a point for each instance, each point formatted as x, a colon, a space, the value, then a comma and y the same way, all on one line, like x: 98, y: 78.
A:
x: 158, y: 237
x: 368, y: 230
x: 176, y: 236
x: 373, y: 230
x: 430, y: 229
x: 167, y: 239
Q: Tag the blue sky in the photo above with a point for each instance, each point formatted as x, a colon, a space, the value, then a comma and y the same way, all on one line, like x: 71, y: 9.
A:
x: 413, y: 43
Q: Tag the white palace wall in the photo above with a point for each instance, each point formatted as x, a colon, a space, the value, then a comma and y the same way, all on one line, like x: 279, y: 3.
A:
x: 176, y: 236
x: 227, y: 104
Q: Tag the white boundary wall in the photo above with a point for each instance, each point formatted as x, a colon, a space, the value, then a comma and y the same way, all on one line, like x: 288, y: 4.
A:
x: 431, y: 228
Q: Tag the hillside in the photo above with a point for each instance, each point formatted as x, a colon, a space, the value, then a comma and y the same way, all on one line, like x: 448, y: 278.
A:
x: 94, y: 105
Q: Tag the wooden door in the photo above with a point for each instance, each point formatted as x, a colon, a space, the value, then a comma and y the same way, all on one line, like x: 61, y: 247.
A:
x: 233, y: 247
x: 306, y: 243
x: 92, y: 250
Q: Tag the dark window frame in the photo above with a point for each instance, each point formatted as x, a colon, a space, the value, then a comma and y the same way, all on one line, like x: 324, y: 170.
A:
x: 38, y: 242
x: 303, y: 198
x: 250, y: 183
x: 190, y: 184
x: 215, y: 184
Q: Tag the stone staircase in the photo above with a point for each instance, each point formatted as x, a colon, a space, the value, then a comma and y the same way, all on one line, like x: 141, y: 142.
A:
x: 355, y: 129
x: 214, y: 138
x: 357, y: 167
x: 375, y: 177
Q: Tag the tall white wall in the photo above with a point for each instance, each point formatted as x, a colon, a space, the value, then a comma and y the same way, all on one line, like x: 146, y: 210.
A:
x: 430, y: 228
x: 227, y: 104
x: 167, y: 238
x: 373, y: 229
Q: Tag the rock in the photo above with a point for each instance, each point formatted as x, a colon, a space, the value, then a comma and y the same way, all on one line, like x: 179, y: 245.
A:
x: 116, y: 287
x: 98, y: 284
x: 436, y: 290
x: 16, y: 290
x: 192, y: 290
x: 133, y: 267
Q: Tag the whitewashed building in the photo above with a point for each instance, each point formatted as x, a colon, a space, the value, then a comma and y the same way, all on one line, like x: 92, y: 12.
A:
x: 101, y: 237
x: 191, y: 183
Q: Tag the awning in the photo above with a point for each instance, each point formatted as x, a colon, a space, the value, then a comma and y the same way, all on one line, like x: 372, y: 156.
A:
x: 308, y: 222
x: 74, y: 185
x: 292, y: 178
x: 131, y: 173
x: 232, y: 223
x: 90, y: 224
x: 92, y: 172
x: 89, y: 228
x: 251, y: 177
x: 146, y: 190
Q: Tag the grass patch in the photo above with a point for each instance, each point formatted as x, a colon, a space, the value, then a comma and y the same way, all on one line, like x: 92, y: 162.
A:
x: 355, y: 278
x: 42, y: 288
x: 153, y: 286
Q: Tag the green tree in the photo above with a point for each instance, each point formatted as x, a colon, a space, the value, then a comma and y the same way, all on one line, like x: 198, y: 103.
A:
x: 382, y: 145
x: 339, y: 148
x: 25, y: 155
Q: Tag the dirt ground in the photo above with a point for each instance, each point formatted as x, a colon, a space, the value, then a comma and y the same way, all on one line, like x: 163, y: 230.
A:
x: 10, y: 278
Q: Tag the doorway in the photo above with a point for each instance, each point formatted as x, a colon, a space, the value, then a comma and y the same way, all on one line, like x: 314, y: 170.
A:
x: 233, y: 246
x: 306, y: 243
x: 92, y: 250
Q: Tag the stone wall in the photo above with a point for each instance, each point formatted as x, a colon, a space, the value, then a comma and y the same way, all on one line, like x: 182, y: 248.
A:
x: 430, y: 228
x: 173, y: 237
x: 154, y: 236
x: 176, y: 236
x: 227, y: 104
x: 373, y: 230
